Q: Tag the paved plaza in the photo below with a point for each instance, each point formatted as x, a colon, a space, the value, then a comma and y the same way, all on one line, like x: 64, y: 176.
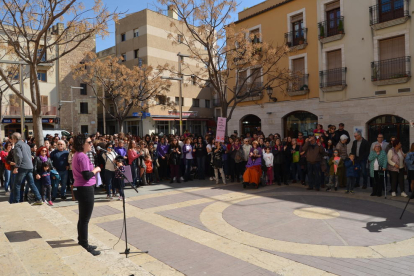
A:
x: 205, y: 229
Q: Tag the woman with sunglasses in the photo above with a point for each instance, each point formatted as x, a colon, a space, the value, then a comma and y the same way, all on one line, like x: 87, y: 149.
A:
x: 84, y: 176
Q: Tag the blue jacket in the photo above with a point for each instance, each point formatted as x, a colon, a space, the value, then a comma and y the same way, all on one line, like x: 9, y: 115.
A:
x: 352, y: 168
x: 409, y: 159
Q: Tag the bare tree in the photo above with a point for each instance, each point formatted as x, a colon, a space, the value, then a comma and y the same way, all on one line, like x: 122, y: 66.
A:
x: 26, y: 28
x: 238, y: 65
x: 114, y: 83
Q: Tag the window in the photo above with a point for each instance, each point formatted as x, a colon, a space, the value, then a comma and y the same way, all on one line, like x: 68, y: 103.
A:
x: 299, y: 121
x: 207, y: 103
x: 123, y: 57
x: 84, y: 67
x: 123, y: 37
x: 136, y: 33
x: 298, y: 69
x: 84, y: 129
x: 42, y: 76
x: 162, y: 99
x: 196, y: 103
x: 163, y: 127
x: 180, y: 38
x: 177, y: 101
x: 390, y: 9
x: 334, y: 62
x: 193, y: 80
x: 84, y: 90
x: 392, y: 62
x: 136, y: 53
x: 297, y: 29
x: 333, y: 15
x: 255, y: 36
x: 44, y: 100
x: 43, y: 57
x: 83, y: 108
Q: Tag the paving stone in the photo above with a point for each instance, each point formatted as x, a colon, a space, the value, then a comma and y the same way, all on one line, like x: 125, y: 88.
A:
x: 102, y: 211
x: 171, y: 246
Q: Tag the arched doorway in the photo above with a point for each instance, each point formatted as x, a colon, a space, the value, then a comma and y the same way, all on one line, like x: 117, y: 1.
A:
x: 390, y: 125
x: 249, y: 124
x: 299, y: 121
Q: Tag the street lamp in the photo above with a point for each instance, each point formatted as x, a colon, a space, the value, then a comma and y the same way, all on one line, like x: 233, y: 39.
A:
x: 180, y: 102
x: 71, y: 101
x: 269, y: 91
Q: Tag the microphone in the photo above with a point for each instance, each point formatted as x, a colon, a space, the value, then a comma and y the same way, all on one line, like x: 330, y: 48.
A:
x: 101, y: 149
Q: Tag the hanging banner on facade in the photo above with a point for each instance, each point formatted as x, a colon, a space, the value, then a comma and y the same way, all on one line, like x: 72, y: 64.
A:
x: 221, y: 129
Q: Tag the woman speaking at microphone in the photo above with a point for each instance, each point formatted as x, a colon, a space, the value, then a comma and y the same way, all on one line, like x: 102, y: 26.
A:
x: 84, y: 180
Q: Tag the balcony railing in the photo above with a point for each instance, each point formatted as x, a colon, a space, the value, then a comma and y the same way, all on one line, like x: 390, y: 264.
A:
x: 393, y: 10
x: 216, y: 102
x: 299, y: 84
x: 296, y: 38
x: 333, y: 78
x: 331, y: 28
x: 390, y: 69
x: 8, y: 110
x: 253, y: 91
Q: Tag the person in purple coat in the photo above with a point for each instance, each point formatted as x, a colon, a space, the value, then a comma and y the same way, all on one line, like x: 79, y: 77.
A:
x: 162, y: 149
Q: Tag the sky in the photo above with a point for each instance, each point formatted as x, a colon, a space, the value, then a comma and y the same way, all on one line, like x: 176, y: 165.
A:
x: 131, y: 6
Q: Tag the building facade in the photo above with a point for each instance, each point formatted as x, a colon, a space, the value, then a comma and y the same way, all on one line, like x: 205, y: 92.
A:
x: 364, y: 69
x: 142, y: 38
x: 55, y: 88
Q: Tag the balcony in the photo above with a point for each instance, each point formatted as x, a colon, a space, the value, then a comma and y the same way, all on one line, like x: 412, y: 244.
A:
x: 333, y: 80
x: 8, y: 110
x: 216, y: 103
x: 331, y: 30
x: 253, y: 90
x: 299, y: 86
x: 390, y: 14
x: 391, y: 71
x: 297, y: 40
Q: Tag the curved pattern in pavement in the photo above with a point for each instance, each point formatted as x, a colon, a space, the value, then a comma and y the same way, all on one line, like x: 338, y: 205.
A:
x: 212, y: 217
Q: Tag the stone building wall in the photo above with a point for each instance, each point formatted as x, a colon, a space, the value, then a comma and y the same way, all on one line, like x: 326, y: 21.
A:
x: 65, y: 82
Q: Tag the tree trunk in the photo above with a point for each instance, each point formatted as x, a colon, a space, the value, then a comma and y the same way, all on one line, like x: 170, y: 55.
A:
x: 121, y: 125
x: 37, y: 128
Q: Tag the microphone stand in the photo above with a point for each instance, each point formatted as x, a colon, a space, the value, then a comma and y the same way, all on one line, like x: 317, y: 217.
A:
x: 127, y: 249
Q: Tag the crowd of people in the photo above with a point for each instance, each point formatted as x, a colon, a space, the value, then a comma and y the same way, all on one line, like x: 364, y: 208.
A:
x: 322, y: 160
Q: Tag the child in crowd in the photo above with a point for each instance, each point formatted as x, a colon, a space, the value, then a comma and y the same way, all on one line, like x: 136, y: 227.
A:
x: 119, y: 178
x: 149, y: 169
x: 46, y: 184
x: 352, y: 172
x: 268, y: 158
x: 334, y: 163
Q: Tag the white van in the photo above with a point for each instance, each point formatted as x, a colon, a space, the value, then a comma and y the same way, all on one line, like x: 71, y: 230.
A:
x: 54, y: 131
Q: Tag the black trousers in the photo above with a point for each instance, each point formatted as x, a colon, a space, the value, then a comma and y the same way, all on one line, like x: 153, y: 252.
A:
x: 397, y: 178
x: 279, y: 172
x: 163, y: 170
x: 86, y: 201
x: 377, y: 183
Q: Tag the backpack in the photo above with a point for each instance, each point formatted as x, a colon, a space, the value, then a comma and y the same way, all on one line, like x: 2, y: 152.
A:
x: 239, y: 156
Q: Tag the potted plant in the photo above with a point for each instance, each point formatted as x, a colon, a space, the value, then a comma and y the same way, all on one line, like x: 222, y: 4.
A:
x: 341, y: 27
x: 322, y: 32
x: 304, y: 87
x: 301, y: 41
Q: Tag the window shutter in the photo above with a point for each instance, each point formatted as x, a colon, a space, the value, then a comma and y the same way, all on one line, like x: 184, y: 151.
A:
x: 334, y: 59
x: 44, y: 100
x: 298, y: 65
x: 333, y: 5
x: 297, y: 17
x: 392, y: 48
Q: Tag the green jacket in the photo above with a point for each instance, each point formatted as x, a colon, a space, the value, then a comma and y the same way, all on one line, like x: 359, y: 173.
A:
x: 332, y: 167
x: 382, y: 160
